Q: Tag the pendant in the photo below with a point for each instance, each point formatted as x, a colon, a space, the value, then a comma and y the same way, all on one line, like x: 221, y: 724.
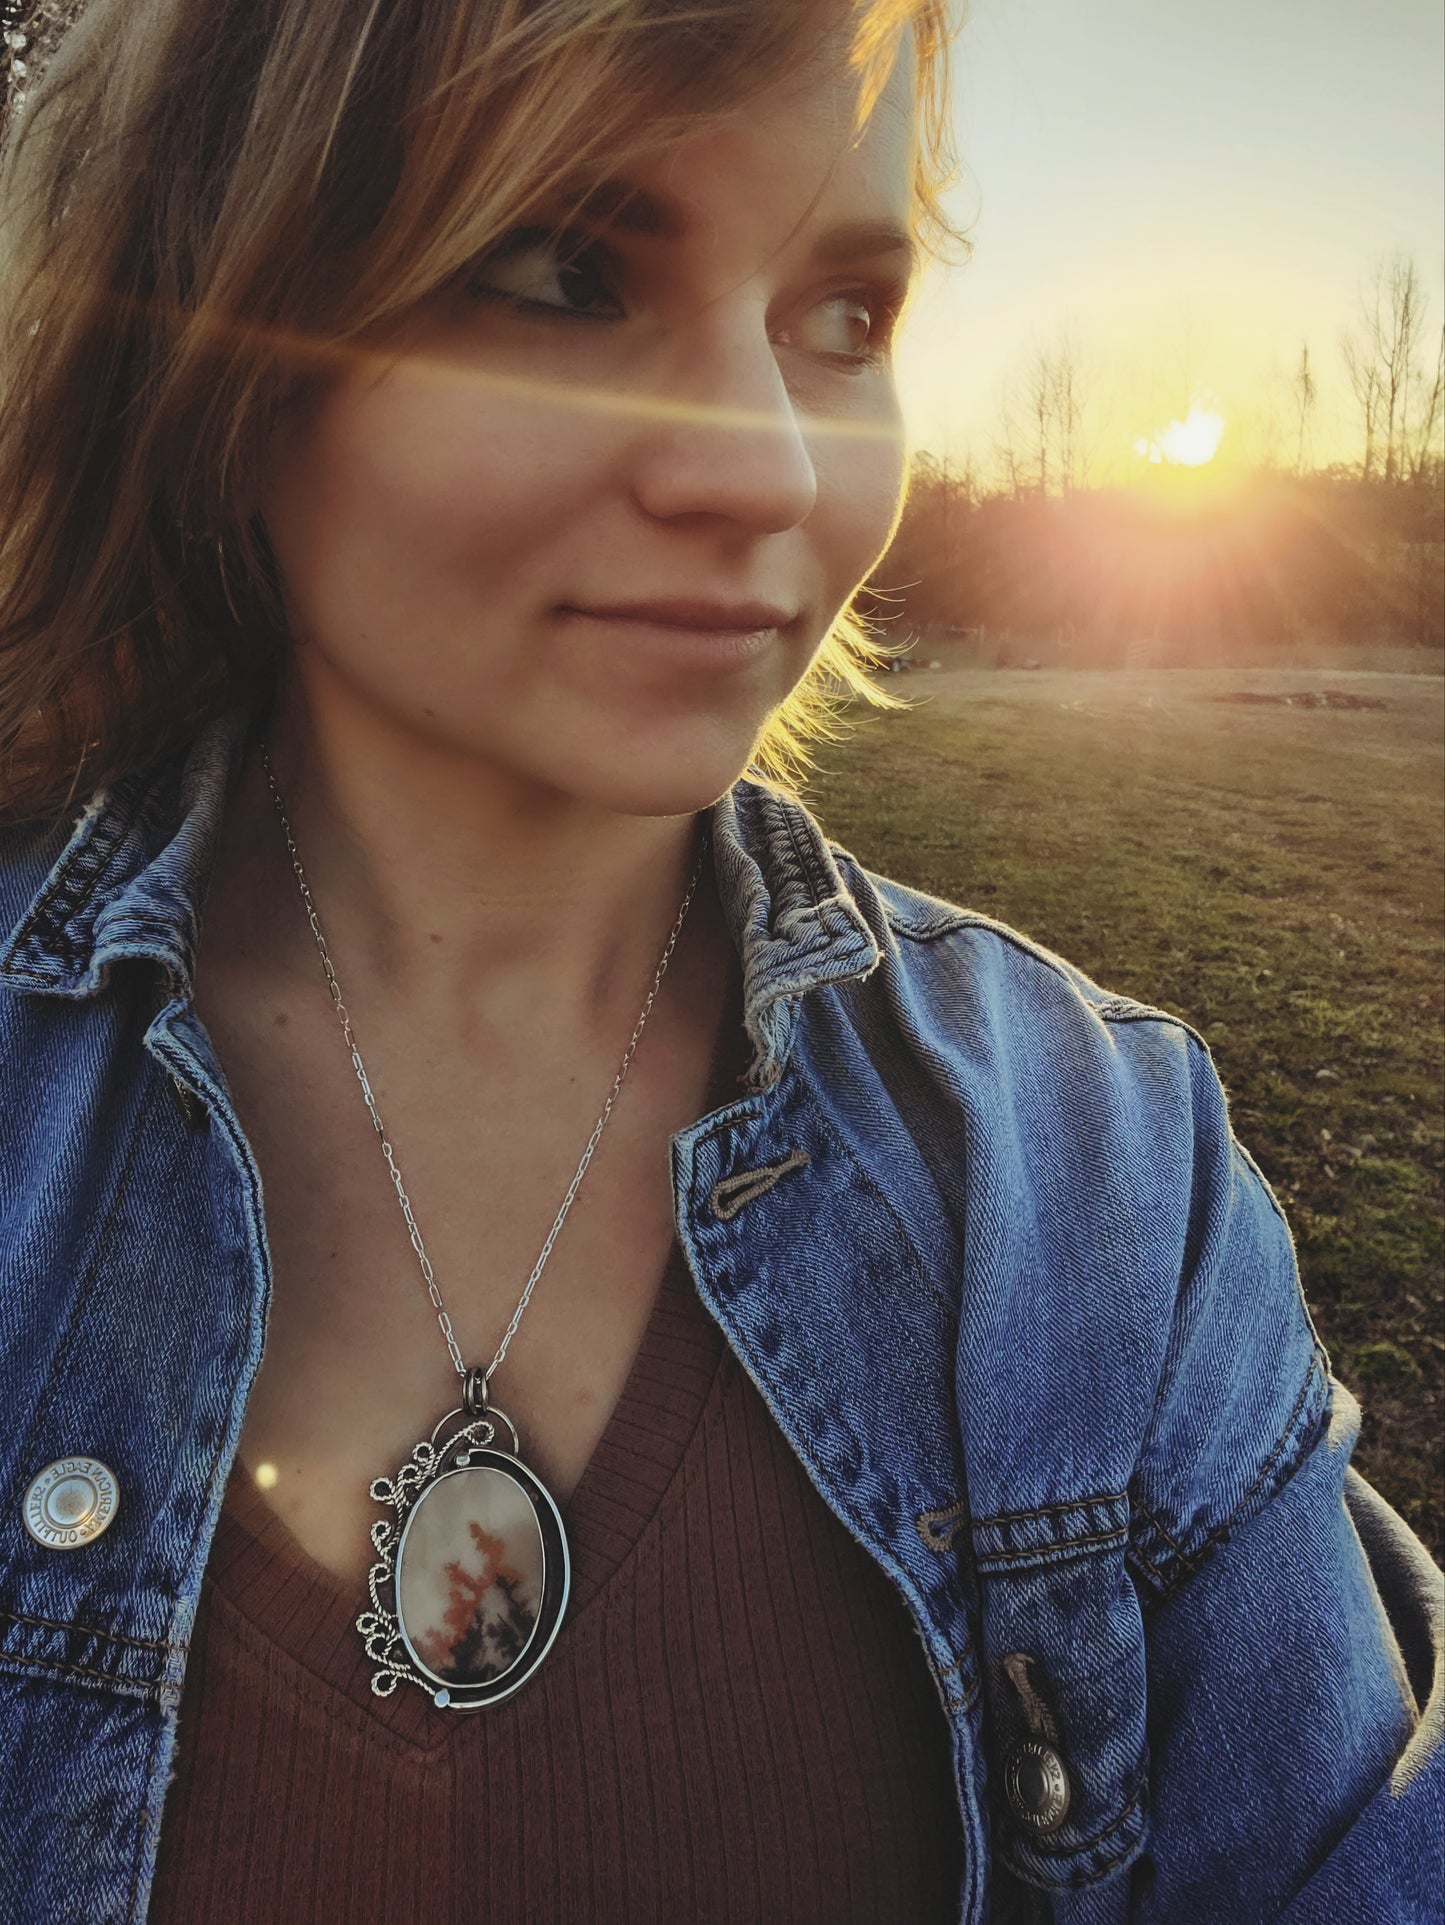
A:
x: 472, y: 1573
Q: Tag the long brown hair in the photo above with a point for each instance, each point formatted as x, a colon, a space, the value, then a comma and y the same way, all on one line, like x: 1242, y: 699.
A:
x: 202, y: 197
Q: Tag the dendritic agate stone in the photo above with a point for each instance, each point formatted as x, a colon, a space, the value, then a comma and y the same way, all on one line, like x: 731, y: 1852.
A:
x: 470, y: 1574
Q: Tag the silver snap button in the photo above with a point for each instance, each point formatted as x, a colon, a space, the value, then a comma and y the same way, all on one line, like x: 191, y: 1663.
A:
x: 71, y: 1502
x: 1037, y: 1784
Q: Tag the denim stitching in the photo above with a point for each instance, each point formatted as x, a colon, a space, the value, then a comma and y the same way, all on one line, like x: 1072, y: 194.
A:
x: 810, y: 881
x: 732, y: 1193
x: 1046, y: 1553
x: 953, y: 920
x: 1311, y: 1377
x: 144, y: 1826
x: 1141, y: 1013
x: 127, y: 1687
x: 1050, y: 1510
x: 252, y: 1199
x: 1171, y: 1543
x: 968, y: 1697
x: 90, y: 1631
x: 1168, y: 1536
x: 1114, y: 1009
x: 1193, y: 1560
x: 1075, y: 1880
x: 86, y: 869
x: 954, y: 1516
x: 1095, y: 1838
x: 919, y: 932
x: 805, y: 1454
x: 1038, y: 1715
x: 1156, y: 1571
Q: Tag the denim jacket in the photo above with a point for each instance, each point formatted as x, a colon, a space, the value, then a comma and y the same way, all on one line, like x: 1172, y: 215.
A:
x: 981, y: 1235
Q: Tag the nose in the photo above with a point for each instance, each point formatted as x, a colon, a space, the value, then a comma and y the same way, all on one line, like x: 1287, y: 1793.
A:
x: 721, y: 437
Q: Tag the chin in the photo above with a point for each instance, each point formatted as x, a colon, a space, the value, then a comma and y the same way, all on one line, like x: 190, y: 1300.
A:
x: 661, y: 783
x: 656, y: 793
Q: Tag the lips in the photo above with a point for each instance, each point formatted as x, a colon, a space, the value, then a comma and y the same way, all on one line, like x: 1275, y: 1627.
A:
x: 709, y: 617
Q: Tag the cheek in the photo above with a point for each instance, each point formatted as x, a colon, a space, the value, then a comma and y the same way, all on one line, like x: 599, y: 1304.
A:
x: 860, y: 495
x: 411, y: 490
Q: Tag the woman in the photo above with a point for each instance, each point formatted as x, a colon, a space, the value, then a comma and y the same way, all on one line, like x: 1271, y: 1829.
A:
x: 441, y: 443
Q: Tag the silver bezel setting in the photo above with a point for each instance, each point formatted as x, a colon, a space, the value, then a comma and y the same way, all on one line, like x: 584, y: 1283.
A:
x: 469, y: 1445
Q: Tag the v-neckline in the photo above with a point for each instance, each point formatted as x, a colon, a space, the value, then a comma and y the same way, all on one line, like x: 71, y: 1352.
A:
x: 261, y: 1572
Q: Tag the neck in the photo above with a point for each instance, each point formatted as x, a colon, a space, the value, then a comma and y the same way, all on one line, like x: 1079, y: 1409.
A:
x: 449, y: 886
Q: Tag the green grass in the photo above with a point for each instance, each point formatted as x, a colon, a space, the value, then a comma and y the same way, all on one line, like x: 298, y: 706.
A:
x: 1274, y: 876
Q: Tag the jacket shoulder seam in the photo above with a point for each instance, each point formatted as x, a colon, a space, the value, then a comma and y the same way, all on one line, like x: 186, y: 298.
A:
x: 1167, y: 1562
x: 1108, y: 1007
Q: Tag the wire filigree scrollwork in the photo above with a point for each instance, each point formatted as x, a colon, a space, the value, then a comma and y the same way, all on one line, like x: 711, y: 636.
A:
x: 379, y: 1628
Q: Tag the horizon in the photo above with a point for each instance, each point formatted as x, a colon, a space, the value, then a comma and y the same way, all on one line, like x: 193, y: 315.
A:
x: 1185, y: 201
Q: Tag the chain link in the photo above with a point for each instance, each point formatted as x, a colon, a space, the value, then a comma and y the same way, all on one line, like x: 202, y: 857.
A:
x: 433, y: 1290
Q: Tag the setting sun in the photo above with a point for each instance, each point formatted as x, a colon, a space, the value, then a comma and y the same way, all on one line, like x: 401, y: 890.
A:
x: 1188, y: 443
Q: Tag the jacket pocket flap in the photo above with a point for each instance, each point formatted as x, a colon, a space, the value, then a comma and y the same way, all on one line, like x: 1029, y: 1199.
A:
x: 1064, y: 1692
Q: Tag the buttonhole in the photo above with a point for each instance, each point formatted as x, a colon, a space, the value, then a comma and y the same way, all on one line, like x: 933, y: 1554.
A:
x: 191, y: 1106
x: 733, y: 1192
x: 938, y: 1529
x: 1030, y: 1682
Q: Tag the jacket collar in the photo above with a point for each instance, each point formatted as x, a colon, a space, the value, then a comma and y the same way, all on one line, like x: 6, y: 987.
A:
x: 131, y: 883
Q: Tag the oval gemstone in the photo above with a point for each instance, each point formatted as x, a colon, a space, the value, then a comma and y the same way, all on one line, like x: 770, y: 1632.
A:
x: 469, y: 1577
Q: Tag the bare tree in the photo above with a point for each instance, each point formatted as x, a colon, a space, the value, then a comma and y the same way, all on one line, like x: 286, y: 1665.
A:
x: 1365, y: 385
x: 1069, y: 397
x: 1381, y: 359
x: 1054, y: 411
x: 1397, y: 329
x: 1421, y: 451
x: 1302, y: 388
x: 1041, y: 418
x: 1007, y: 459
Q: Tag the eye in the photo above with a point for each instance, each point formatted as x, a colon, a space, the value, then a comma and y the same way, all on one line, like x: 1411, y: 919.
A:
x: 540, y: 271
x: 850, y: 328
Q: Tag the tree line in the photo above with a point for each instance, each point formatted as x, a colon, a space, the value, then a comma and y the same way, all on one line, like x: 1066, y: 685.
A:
x: 1106, y: 576
x: 1027, y: 546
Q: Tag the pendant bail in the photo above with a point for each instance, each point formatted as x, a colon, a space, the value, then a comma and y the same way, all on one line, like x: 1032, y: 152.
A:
x: 474, y: 1392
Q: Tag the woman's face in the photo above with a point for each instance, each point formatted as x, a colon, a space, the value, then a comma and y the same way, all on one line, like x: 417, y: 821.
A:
x: 485, y: 532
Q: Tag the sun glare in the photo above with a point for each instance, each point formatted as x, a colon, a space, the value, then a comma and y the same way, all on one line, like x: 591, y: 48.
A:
x: 1188, y: 443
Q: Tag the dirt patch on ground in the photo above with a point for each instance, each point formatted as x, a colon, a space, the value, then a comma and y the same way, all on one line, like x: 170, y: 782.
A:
x: 1304, y: 698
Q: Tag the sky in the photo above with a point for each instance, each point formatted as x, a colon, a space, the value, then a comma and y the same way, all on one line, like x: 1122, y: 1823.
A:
x: 1190, y: 192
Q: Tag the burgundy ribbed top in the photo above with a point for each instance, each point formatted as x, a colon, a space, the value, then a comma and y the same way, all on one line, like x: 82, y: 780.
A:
x: 736, y: 1722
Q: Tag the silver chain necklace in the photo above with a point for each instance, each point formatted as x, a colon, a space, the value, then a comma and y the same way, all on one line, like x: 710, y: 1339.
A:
x: 472, y: 1572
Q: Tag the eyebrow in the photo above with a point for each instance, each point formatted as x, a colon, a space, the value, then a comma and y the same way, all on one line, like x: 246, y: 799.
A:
x: 863, y: 240
x: 635, y: 210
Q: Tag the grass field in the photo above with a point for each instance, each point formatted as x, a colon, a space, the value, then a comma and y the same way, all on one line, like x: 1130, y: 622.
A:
x: 1272, y: 874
